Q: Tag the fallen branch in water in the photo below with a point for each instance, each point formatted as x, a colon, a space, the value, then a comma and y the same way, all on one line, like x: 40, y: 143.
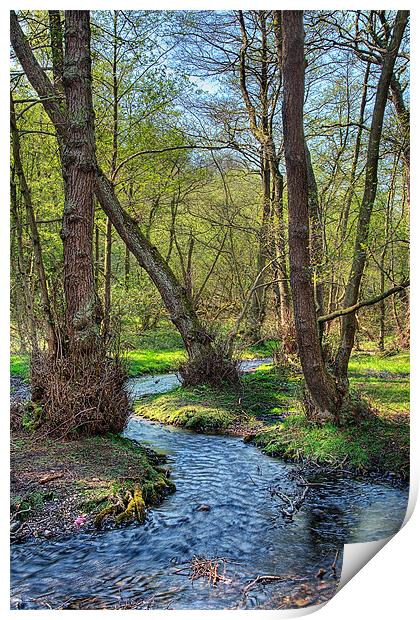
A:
x: 294, y: 504
x: 266, y: 579
x: 334, y: 564
x: 208, y: 568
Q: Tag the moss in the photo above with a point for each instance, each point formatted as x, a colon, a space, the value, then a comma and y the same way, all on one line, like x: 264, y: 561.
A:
x: 373, y: 443
x: 100, y: 476
x: 32, y: 417
x: 264, y: 394
x: 136, y: 507
x: 21, y: 507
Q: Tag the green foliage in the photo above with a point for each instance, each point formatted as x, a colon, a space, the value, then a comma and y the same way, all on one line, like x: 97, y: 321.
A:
x: 381, y: 442
x: 397, y: 364
x: 32, y: 417
x: 34, y: 500
x: 19, y: 366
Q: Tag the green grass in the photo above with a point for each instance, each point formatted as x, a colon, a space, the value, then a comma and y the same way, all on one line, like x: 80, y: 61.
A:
x: 261, y: 395
x: 377, y: 442
x: 380, y: 379
x: 19, y: 366
x: 149, y: 361
x: 369, y: 362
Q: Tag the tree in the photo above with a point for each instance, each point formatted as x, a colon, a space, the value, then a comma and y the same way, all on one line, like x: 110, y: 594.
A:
x: 208, y: 362
x: 81, y: 390
x: 325, y: 400
x: 348, y: 327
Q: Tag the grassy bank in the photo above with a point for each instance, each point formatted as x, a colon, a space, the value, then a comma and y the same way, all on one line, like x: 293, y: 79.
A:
x: 261, y: 397
x: 266, y: 408
x: 62, y: 487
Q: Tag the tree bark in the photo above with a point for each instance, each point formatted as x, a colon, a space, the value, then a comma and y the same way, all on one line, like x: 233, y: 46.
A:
x: 324, y: 396
x: 78, y: 158
x: 196, y: 338
x: 369, y: 195
x: 316, y: 240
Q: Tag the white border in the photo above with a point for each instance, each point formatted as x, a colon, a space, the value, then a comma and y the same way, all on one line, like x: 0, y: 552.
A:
x: 387, y: 586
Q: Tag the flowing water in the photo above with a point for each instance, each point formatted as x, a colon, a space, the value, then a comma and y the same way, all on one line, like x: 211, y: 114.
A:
x: 222, y: 508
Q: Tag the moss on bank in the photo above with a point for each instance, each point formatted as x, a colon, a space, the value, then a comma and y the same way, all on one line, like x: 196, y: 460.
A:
x: 261, y: 396
x: 53, y: 484
x: 266, y: 410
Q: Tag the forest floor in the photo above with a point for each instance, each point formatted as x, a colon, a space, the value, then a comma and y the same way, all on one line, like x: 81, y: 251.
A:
x: 266, y: 410
x: 58, y: 487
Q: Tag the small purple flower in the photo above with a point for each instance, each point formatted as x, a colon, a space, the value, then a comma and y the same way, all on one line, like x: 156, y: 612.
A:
x: 80, y: 520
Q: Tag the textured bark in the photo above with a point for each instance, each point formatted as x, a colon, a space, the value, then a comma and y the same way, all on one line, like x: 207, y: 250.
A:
x: 316, y: 239
x: 403, y: 116
x: 78, y: 159
x: 369, y: 195
x: 272, y: 237
x: 324, y: 396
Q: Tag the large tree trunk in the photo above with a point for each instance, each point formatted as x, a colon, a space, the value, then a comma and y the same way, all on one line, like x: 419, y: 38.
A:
x: 82, y: 391
x: 371, y: 180
x: 325, y: 400
x: 197, y: 340
x: 78, y: 159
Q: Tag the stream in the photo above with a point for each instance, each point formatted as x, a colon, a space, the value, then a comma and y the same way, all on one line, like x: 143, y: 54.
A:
x: 222, y: 508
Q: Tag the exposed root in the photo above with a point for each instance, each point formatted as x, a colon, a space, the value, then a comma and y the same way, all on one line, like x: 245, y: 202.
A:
x: 213, y: 368
x: 83, y: 396
x: 129, y: 505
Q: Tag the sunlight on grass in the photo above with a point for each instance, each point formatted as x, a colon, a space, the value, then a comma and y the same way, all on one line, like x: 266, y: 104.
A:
x: 148, y: 361
x: 19, y: 366
x: 362, y: 362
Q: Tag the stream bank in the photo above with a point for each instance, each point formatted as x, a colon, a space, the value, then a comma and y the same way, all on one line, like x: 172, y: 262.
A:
x: 229, y: 510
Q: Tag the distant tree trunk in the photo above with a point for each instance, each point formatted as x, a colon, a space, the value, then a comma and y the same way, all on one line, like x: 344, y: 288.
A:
x: 34, y: 234
x: 127, y: 268
x: 107, y: 274
x: 316, y: 240
x: 261, y: 127
x: 181, y: 311
x: 348, y: 329
x: 96, y: 255
x: 23, y: 275
x: 325, y: 399
x: 108, y: 242
x: 352, y: 181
